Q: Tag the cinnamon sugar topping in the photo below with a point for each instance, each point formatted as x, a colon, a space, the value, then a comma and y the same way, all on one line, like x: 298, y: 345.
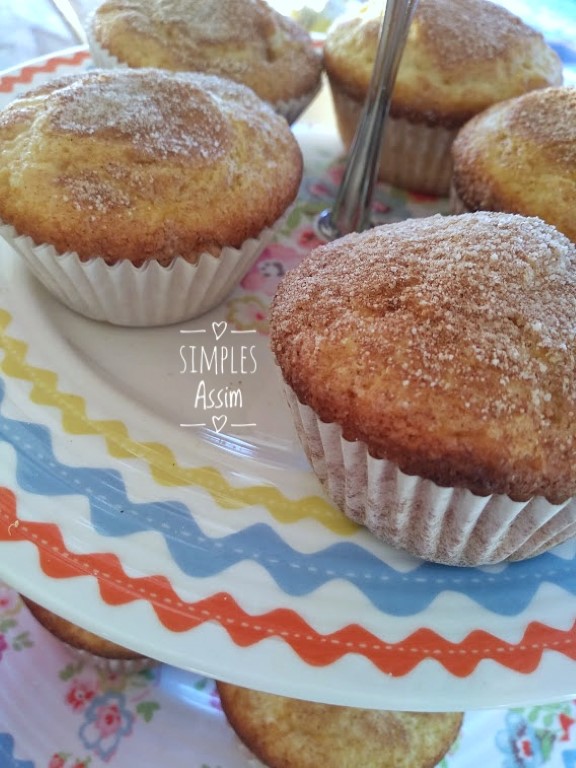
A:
x: 460, y: 57
x: 451, y: 30
x: 548, y: 117
x: 520, y: 156
x: 457, y: 331
x: 144, y: 164
x: 206, y: 23
x: 245, y: 40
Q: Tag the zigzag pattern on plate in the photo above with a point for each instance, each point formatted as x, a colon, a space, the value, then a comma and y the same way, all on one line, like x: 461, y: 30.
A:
x: 396, y: 658
x: 161, y: 461
x: 198, y: 555
x: 27, y: 73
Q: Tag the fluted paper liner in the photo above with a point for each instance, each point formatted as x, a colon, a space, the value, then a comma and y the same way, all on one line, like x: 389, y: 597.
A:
x: 414, y: 156
x: 444, y: 525
x: 290, y: 109
x: 145, y: 296
x: 113, y: 666
x: 457, y: 205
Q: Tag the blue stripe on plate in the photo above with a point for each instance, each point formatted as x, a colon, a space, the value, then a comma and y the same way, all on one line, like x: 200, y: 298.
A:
x: 506, y: 592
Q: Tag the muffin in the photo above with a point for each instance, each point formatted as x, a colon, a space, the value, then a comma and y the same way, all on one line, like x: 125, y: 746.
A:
x: 520, y: 156
x: 461, y: 56
x: 87, y: 645
x: 244, y: 40
x: 431, y: 369
x: 290, y: 733
x: 144, y: 195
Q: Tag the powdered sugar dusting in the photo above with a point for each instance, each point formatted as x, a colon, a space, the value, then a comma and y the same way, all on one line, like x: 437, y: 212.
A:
x: 88, y: 192
x: 160, y: 116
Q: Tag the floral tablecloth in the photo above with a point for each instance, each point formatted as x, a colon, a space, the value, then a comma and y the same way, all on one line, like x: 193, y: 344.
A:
x: 57, y: 711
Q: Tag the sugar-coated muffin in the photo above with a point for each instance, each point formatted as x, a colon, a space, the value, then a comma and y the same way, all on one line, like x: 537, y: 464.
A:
x: 244, y: 40
x: 461, y: 56
x: 431, y: 369
x: 141, y: 197
x: 101, y: 651
x: 520, y: 156
x: 290, y: 733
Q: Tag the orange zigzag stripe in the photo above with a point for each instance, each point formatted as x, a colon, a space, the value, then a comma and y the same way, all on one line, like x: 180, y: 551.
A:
x: 26, y: 74
x: 396, y: 659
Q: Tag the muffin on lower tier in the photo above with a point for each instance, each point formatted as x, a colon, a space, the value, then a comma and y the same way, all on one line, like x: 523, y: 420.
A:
x: 96, y: 649
x: 290, y: 733
x: 244, y: 40
x: 431, y: 369
x: 142, y: 197
x: 461, y: 56
x: 520, y: 156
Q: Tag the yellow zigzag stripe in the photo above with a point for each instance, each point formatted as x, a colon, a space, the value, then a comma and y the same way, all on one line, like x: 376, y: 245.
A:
x: 160, y: 459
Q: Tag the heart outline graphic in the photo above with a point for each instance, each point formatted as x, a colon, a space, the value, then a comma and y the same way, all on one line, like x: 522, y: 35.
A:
x: 219, y: 328
x: 219, y: 422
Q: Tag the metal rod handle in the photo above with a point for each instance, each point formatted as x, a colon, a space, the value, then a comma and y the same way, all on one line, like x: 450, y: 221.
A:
x: 351, y: 209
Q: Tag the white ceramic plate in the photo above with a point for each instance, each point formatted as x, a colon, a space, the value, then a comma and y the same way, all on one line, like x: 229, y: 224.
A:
x: 138, y: 508
x: 58, y: 710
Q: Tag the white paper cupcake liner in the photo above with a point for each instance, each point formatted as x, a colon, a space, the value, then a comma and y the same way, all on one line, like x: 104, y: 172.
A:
x: 112, y: 666
x: 414, y: 156
x: 457, y: 205
x: 445, y: 525
x: 145, y: 296
x: 290, y: 109
x: 101, y: 58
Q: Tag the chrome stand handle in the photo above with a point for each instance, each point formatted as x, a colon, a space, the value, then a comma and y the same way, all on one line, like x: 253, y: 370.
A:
x: 71, y: 18
x: 351, y: 209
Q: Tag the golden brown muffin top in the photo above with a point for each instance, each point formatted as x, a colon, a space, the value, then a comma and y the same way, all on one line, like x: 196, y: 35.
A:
x: 144, y: 164
x: 291, y: 733
x: 520, y: 156
x: 245, y: 40
x: 461, y: 56
x: 446, y: 344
